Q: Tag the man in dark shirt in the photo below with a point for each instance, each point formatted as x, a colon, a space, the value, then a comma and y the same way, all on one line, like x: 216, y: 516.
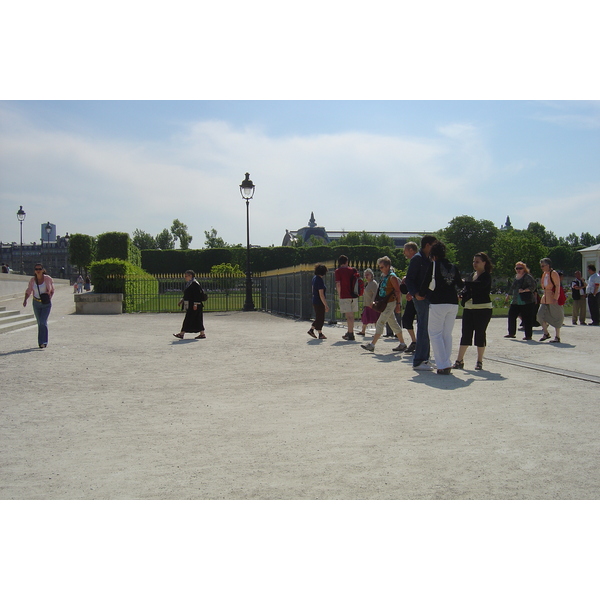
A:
x: 415, y: 275
x: 344, y: 276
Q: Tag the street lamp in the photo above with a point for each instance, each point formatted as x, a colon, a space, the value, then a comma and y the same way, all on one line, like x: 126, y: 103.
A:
x: 21, y: 218
x: 48, y: 230
x: 247, y: 191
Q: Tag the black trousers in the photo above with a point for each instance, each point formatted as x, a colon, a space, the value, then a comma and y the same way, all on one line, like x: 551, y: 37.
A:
x: 474, y: 323
x: 594, y: 309
x: 409, y: 315
x: 319, y: 316
x: 527, y: 312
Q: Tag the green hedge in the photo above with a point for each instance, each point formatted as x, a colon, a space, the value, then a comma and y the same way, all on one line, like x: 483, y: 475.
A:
x: 115, y: 244
x: 119, y: 276
x: 262, y: 259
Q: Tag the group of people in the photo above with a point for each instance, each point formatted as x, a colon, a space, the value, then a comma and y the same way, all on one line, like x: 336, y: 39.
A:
x: 433, y: 288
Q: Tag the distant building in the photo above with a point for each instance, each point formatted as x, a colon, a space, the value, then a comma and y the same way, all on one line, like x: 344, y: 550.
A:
x: 305, y: 233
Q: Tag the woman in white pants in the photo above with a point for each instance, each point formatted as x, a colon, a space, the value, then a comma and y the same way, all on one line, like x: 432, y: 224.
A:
x: 439, y: 286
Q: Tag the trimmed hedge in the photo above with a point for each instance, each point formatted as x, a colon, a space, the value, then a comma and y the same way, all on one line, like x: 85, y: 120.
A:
x: 262, y: 259
x: 115, y: 244
x: 119, y: 276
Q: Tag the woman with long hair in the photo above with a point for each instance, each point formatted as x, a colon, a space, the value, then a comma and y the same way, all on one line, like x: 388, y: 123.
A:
x: 439, y: 286
x: 41, y: 286
x: 477, y: 311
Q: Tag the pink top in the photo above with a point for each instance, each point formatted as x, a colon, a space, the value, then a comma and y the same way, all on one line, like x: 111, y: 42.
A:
x: 32, y: 285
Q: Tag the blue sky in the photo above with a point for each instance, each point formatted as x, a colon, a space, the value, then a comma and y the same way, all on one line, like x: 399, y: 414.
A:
x: 95, y: 166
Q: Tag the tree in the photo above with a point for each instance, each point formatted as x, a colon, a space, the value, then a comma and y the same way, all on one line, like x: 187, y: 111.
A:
x: 213, y: 240
x: 469, y: 236
x: 573, y: 240
x: 587, y: 239
x: 383, y: 241
x: 512, y: 246
x: 143, y: 240
x: 164, y: 240
x: 180, y: 232
x: 546, y: 237
x: 82, y: 250
x: 227, y: 268
x: 352, y: 238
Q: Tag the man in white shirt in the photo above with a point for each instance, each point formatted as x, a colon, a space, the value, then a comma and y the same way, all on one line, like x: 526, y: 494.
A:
x: 593, y: 287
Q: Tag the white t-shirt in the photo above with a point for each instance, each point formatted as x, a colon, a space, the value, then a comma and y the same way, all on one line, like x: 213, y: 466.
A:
x: 592, y: 281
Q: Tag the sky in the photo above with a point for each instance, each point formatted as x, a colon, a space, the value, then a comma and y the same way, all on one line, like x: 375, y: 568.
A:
x: 396, y: 165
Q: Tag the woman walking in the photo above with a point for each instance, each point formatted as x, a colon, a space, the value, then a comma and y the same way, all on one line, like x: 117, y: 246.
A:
x: 369, y: 315
x: 440, y: 283
x: 42, y: 288
x: 523, y: 302
x: 390, y: 296
x: 477, y: 311
x: 319, y: 302
x: 193, y: 296
x: 550, y: 312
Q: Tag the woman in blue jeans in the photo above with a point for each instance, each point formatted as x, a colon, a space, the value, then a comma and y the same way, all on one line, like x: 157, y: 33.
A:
x: 41, y: 287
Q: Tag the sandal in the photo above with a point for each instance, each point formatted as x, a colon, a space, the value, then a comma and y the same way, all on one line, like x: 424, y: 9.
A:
x: 459, y: 364
x: 478, y: 366
x: 201, y: 336
x: 545, y: 337
x: 178, y: 335
x: 556, y: 340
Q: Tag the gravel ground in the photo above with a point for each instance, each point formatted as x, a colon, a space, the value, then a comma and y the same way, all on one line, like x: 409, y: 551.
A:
x: 117, y: 408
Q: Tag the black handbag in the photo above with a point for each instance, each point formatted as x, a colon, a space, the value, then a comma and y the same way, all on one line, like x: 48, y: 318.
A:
x: 45, y: 298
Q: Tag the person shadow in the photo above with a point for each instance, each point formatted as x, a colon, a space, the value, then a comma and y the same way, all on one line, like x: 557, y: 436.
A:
x: 24, y: 351
x: 452, y: 382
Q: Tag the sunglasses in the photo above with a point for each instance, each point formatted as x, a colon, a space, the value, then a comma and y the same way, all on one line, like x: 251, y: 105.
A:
x: 38, y: 269
x: 519, y: 268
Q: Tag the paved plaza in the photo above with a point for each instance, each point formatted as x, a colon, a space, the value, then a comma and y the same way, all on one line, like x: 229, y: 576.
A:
x: 117, y: 408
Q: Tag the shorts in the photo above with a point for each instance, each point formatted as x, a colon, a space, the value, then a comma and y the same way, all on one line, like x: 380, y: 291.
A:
x: 348, y: 305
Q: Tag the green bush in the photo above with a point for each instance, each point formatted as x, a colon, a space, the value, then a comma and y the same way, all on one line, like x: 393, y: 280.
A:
x: 119, y: 276
x: 115, y: 244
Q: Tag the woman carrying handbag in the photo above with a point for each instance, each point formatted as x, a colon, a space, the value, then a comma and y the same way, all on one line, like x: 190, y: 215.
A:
x: 42, y: 288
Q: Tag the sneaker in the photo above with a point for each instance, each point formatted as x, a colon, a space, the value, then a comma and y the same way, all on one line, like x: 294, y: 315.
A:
x: 424, y: 366
x: 349, y: 337
x: 370, y: 347
x: 411, y: 349
x: 311, y: 332
x: 400, y: 347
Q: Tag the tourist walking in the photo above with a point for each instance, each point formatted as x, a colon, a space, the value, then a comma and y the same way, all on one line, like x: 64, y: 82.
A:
x: 192, y: 303
x: 41, y: 286
x: 415, y: 275
x: 477, y: 310
x: 578, y: 296
x: 348, y: 304
x: 390, y: 296
x: 369, y: 315
x: 550, y: 312
x: 439, y: 288
x: 80, y: 284
x: 319, y: 302
x: 522, y: 294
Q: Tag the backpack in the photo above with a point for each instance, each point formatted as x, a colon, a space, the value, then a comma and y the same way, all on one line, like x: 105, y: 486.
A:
x: 358, y: 285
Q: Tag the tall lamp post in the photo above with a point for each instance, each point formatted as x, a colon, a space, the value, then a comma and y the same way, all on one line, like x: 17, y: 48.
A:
x: 21, y: 217
x: 247, y: 191
x: 48, y: 230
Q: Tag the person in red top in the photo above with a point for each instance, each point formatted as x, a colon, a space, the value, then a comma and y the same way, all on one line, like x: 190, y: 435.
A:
x: 344, y: 277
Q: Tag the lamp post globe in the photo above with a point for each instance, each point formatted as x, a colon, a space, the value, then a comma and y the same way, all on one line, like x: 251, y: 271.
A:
x: 247, y: 191
x: 21, y: 217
